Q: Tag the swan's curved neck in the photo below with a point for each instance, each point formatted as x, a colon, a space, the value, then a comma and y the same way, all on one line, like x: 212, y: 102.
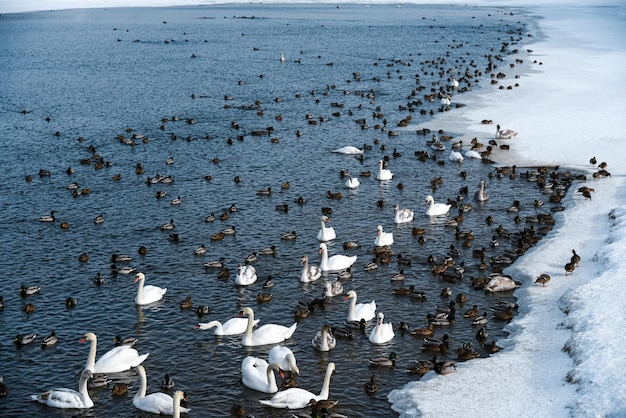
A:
x: 271, y: 377
x: 324, y: 262
x: 143, y: 383
x: 176, y: 413
x: 326, y: 385
x: 352, y: 305
x: 140, y: 290
x: 247, y: 338
x: 84, y: 393
x: 91, y: 358
x: 212, y: 324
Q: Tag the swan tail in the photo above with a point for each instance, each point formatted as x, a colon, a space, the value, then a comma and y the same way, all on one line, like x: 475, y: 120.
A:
x: 140, y: 359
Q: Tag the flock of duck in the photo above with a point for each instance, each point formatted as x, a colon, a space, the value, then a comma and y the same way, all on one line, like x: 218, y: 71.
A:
x: 335, y: 271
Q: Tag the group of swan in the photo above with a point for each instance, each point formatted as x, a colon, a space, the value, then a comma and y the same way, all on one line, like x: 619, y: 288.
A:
x: 337, y: 262
x: 297, y: 398
x: 326, y: 233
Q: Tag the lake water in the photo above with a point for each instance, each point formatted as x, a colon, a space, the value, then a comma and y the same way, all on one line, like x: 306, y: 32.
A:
x: 98, y: 74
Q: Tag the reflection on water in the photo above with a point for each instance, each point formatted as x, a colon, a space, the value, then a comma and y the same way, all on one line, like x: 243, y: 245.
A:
x: 95, y: 73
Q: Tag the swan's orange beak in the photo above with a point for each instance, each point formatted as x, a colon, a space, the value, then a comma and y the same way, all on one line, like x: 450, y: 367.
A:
x: 320, y: 251
x: 136, y: 279
x: 196, y: 327
x: 82, y: 340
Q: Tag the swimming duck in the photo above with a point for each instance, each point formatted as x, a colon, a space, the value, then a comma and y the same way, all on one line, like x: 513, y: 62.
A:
x: 420, y: 368
x: 289, y: 236
x: 398, y: 276
x: 48, y: 218
x: 24, y: 339
x: 345, y: 275
x: 187, y: 303
x: 26, y: 290
x: 231, y: 230
x: 480, y: 319
x: 167, y: 382
x: 215, y: 264
x: 251, y: 258
x: 203, y: 310
x: 371, y: 266
x: 472, y: 312
x: 424, y: 332
x: 119, y: 389
x: 98, y: 219
x: 29, y: 308
x: 168, y: 226
x: 119, y: 341
x: 70, y: 303
x: 389, y: 361
x: 371, y: 387
x: 264, y: 192
x: 200, y: 250
x: 268, y: 251
x: 210, y: 218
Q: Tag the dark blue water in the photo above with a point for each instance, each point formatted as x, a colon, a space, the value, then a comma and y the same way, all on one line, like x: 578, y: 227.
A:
x: 97, y: 74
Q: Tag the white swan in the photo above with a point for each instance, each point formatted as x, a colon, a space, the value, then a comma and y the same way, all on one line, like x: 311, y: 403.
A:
x: 147, y: 294
x: 246, y: 275
x: 266, y: 334
x: 454, y: 83
x: 383, y: 173
x: 324, y: 340
x: 446, y: 100
x: 309, y: 273
x: 334, y: 288
x: 473, y: 154
x: 435, y: 209
x: 500, y: 283
x: 68, y: 398
x: 349, y: 150
x: 234, y: 326
x: 116, y: 360
x: 456, y: 156
x: 356, y: 312
x: 337, y: 262
x: 297, y: 398
x: 381, y: 333
x: 352, y: 183
x: 402, y: 215
x: 178, y: 396
x: 383, y: 238
x: 505, y: 133
x: 282, y: 57
x: 257, y: 374
x: 481, y: 194
x: 157, y: 402
x: 284, y: 357
x: 326, y: 233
